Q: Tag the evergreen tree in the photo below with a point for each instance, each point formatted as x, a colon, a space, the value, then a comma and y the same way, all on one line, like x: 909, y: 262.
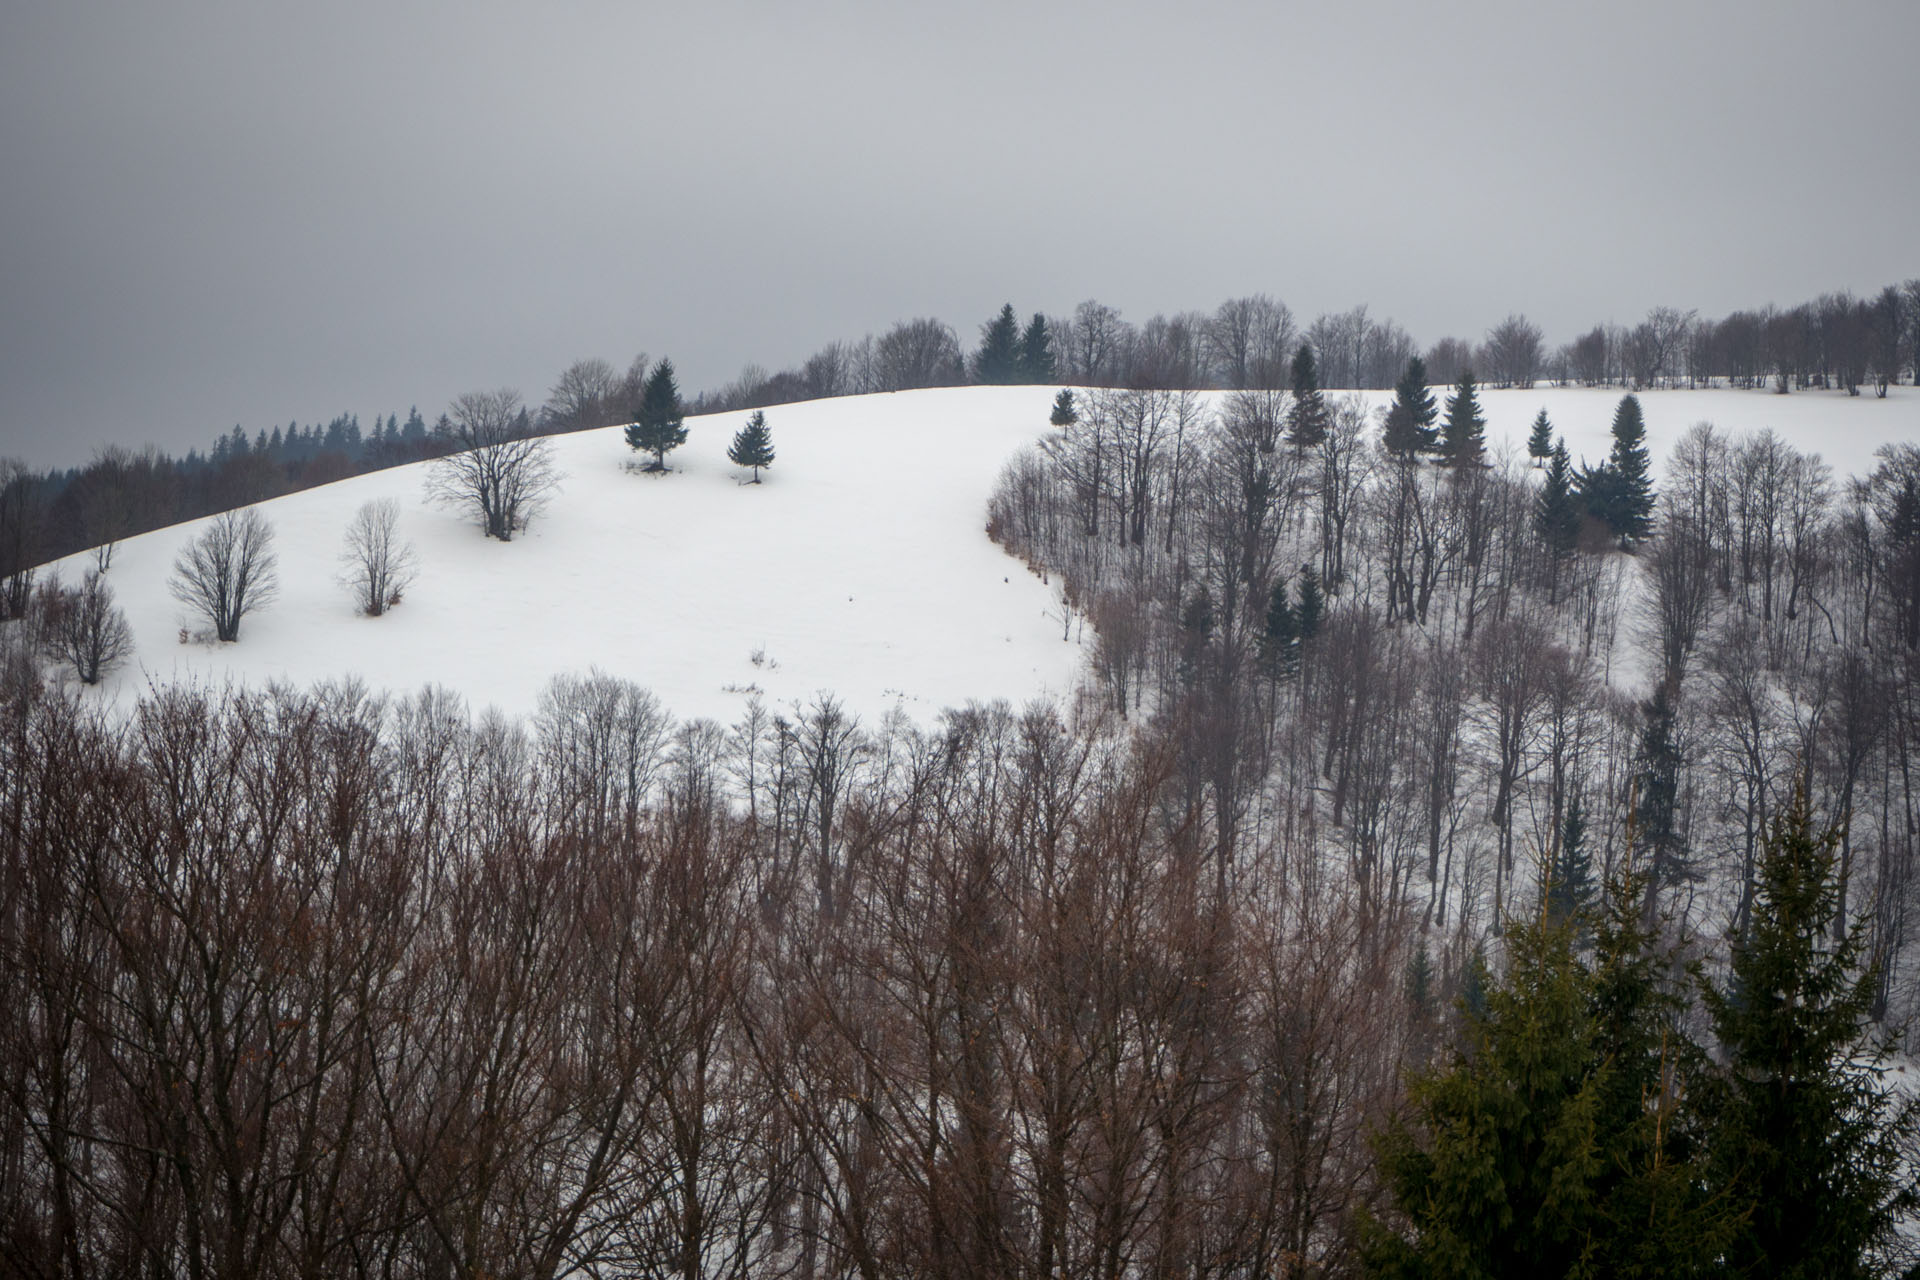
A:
x: 657, y: 427
x: 1569, y: 882
x: 1313, y: 604
x: 1463, y: 436
x: 1409, y: 426
x: 1805, y: 1130
x: 1065, y: 412
x: 1556, y: 509
x: 1553, y: 1142
x: 1280, y: 636
x: 997, y: 363
x: 1308, y: 420
x: 1632, y: 501
x: 1540, y: 442
x: 752, y: 445
x: 1036, y: 351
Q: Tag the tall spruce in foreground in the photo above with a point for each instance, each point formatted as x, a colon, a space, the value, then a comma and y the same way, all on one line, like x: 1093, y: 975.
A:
x: 1556, y: 509
x: 1551, y: 1142
x: 1308, y: 419
x: 658, y: 427
x: 1463, y: 436
x: 752, y: 445
x: 997, y: 363
x: 1806, y: 1130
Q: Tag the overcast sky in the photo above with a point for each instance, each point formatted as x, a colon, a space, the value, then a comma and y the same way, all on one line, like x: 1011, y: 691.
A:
x: 252, y: 212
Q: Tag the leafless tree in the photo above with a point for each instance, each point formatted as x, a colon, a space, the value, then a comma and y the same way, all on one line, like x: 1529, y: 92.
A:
x: 228, y: 571
x: 1512, y: 353
x: 1249, y: 342
x: 586, y: 395
x: 499, y: 471
x: 377, y: 566
x: 917, y: 353
x: 21, y: 517
x: 83, y: 629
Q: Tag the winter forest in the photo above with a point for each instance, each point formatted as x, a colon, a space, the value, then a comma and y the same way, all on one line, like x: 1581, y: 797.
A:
x: 1454, y: 860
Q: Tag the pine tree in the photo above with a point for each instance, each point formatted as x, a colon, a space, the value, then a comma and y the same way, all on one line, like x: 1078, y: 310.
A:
x: 657, y: 427
x: 1036, y: 351
x: 1631, y: 516
x: 1463, y: 436
x: 1805, y: 1130
x: 1280, y: 636
x: 1065, y: 412
x: 1540, y: 442
x: 1307, y: 419
x: 1556, y: 509
x: 1409, y: 426
x: 1554, y: 1141
x: 1569, y: 882
x: 752, y: 445
x: 1313, y: 604
x: 997, y: 363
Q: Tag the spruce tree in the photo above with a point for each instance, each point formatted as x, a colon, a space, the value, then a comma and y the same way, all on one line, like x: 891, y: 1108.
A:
x: 1280, y: 636
x: 1307, y: 419
x: 658, y: 427
x: 1065, y: 412
x: 997, y: 363
x: 1036, y: 351
x: 1540, y: 442
x: 1463, y: 436
x: 1569, y: 881
x: 1806, y: 1132
x: 1409, y: 426
x: 1313, y: 604
x: 1556, y: 509
x: 1632, y: 500
x: 752, y: 445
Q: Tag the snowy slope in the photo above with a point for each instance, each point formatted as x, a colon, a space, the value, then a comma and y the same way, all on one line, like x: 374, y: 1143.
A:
x: 859, y: 567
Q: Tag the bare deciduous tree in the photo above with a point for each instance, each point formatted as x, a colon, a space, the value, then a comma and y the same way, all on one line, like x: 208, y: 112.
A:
x: 377, y: 565
x: 82, y: 629
x: 228, y: 571
x: 502, y: 472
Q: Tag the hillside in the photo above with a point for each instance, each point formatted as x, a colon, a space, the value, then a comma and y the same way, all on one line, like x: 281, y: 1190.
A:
x: 858, y: 567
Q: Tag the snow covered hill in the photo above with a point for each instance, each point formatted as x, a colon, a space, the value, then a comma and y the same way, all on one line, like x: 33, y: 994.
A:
x: 859, y: 567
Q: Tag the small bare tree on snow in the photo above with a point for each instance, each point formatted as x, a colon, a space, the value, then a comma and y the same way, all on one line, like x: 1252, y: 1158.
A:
x: 228, y: 571
x: 378, y: 565
x: 501, y: 471
x: 82, y: 629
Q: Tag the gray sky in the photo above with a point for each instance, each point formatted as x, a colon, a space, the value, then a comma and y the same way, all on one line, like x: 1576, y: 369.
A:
x: 251, y: 211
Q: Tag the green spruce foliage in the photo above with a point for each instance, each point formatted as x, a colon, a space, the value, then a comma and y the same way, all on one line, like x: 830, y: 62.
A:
x: 1280, y: 636
x: 658, y: 426
x: 1308, y: 419
x: 1556, y: 508
x: 1036, y: 351
x: 1463, y: 435
x: 752, y: 445
x: 1409, y: 427
x: 1807, y: 1131
x: 997, y: 362
x: 1632, y: 516
x: 1065, y: 412
x: 1308, y: 614
x: 1540, y: 440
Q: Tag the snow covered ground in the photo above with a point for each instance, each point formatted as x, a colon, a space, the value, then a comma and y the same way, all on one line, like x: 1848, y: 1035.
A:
x: 859, y: 567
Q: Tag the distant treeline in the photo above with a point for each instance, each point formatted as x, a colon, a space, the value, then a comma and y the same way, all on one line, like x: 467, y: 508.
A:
x: 1837, y: 341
